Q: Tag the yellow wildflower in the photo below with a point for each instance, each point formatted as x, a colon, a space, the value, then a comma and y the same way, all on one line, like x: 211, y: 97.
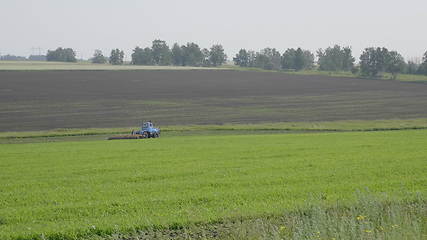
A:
x: 368, y: 231
x: 360, y: 218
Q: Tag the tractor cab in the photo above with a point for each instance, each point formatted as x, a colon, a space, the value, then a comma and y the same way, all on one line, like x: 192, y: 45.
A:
x: 148, y: 129
x: 147, y: 126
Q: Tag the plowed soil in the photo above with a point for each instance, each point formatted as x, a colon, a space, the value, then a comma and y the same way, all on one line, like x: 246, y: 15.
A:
x: 37, y: 100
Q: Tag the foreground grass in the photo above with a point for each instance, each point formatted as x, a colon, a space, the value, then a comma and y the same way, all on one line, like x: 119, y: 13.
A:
x: 71, y: 190
x: 371, y: 217
x: 348, y: 125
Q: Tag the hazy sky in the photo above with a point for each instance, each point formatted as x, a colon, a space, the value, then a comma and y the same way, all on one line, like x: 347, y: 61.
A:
x: 86, y: 25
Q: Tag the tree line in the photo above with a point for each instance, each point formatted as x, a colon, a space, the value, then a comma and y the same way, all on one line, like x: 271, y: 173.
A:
x: 9, y: 57
x: 372, y: 62
x: 186, y: 55
x: 162, y: 55
x: 271, y: 59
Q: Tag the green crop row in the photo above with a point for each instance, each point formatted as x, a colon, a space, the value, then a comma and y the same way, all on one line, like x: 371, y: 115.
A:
x: 348, y: 125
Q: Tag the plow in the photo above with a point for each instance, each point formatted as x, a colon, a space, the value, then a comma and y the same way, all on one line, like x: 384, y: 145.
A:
x: 147, y: 131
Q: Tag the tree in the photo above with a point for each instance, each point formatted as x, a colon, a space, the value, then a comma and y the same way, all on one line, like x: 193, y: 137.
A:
x: 242, y: 58
x: 335, y: 59
x: 394, y: 63
x: 142, y: 56
x: 251, y: 58
x: 348, y: 59
x: 299, y: 60
x: 412, y: 67
x: 161, y: 53
x: 177, y: 55
x: 116, y: 57
x: 423, y: 66
x: 61, y: 55
x: 373, y: 61
x: 192, y: 55
x: 288, y: 59
x: 268, y: 58
x: 98, y: 57
x: 274, y: 58
x: 376, y: 60
x: 206, y: 62
x: 262, y: 61
x: 216, y: 55
x: 308, y: 59
x: 422, y: 69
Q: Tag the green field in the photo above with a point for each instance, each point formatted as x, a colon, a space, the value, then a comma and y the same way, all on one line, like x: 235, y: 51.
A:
x: 75, y: 189
x: 386, y: 76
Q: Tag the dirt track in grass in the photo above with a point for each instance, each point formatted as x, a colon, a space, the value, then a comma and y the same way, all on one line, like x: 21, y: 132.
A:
x: 36, y: 100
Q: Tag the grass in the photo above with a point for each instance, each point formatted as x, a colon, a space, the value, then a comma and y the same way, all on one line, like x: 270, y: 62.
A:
x: 44, y: 66
x: 72, y: 190
x: 347, y: 125
x: 386, y: 76
x: 371, y: 217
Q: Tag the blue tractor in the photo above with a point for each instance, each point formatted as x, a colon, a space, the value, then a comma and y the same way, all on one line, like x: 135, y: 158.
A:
x: 147, y: 131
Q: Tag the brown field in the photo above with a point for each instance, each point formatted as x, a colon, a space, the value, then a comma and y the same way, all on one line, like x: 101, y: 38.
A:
x: 37, y: 100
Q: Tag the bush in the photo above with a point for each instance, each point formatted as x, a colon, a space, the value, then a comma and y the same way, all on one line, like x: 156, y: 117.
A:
x: 355, y: 70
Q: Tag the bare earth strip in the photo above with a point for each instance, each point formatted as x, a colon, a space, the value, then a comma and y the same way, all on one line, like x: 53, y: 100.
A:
x: 40, y: 100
